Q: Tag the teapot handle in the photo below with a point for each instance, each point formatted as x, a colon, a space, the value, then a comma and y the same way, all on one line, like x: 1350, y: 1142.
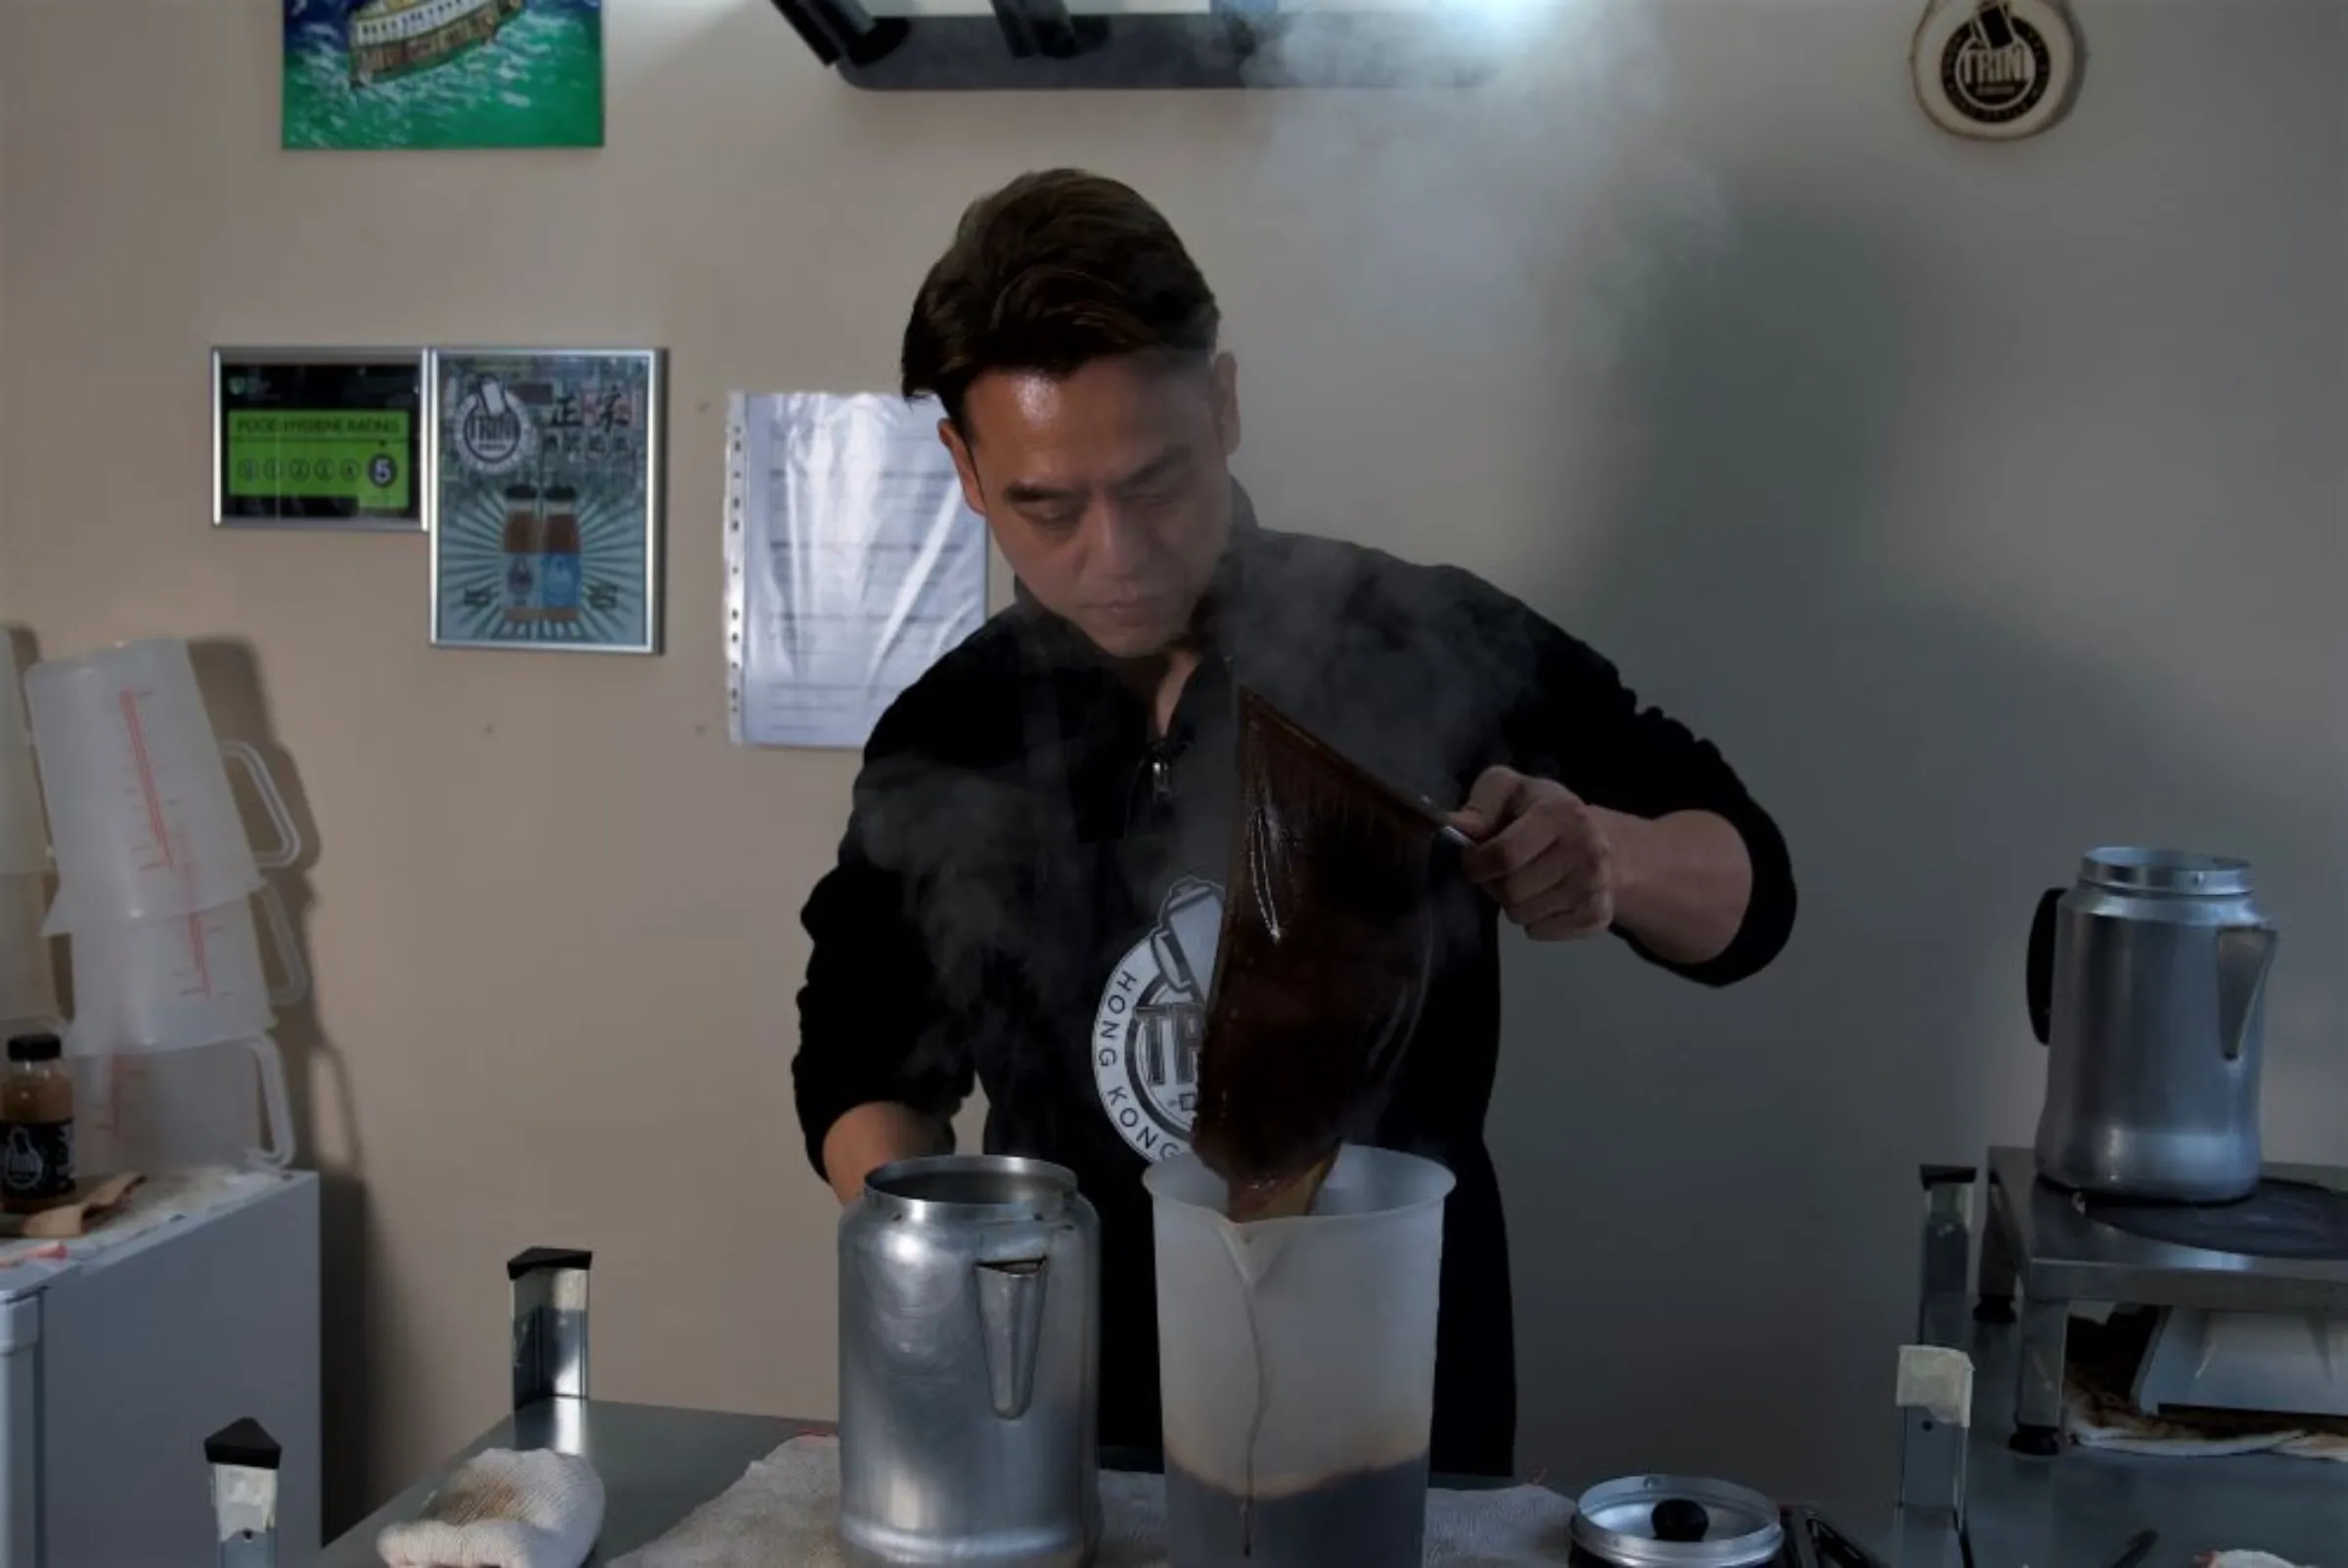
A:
x: 2245, y: 953
x: 1011, y: 1323
x: 2038, y: 968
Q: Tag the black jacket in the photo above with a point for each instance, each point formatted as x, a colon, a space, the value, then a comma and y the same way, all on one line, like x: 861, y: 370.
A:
x: 1018, y: 837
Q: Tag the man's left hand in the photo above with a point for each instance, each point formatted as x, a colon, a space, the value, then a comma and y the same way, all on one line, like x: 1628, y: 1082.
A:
x: 1542, y: 852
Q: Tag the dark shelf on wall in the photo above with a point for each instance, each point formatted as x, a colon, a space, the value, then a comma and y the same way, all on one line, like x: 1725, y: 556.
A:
x: 1040, y: 45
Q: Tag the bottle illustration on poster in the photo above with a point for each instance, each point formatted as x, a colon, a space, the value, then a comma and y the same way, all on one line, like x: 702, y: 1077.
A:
x: 522, y: 552
x: 558, y: 556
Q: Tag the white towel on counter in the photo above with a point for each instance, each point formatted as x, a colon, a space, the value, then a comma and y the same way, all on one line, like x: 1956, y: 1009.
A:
x: 2099, y: 1423
x: 786, y: 1510
x: 504, y: 1509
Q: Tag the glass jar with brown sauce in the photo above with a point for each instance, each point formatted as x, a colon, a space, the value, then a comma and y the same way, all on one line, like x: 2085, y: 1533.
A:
x: 36, y: 1126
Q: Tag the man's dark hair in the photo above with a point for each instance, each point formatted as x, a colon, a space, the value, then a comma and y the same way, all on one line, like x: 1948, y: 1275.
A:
x: 1056, y: 269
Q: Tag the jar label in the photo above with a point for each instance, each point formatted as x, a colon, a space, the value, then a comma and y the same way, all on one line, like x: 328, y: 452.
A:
x: 37, y: 1160
x: 559, y: 580
x: 522, y: 583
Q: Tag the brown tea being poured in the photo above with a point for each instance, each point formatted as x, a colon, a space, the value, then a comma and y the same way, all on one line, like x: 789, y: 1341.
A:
x: 1322, y: 963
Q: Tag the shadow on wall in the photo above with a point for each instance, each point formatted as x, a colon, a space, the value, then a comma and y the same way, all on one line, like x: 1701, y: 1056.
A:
x: 25, y: 646
x: 1725, y: 1180
x: 207, y: 1102
x: 230, y: 678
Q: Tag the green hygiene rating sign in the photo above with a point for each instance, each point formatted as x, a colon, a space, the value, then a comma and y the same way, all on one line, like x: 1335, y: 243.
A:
x: 317, y: 438
x: 360, y: 459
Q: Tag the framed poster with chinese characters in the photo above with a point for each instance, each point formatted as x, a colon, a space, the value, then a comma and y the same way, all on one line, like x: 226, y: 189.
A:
x: 547, y: 473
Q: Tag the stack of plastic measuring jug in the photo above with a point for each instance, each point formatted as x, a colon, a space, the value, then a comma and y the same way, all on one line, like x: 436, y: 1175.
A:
x: 156, y: 878
x: 28, y: 983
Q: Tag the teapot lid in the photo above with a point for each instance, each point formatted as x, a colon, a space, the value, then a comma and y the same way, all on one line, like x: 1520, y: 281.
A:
x: 972, y: 1190
x: 1673, y: 1521
x: 2165, y: 871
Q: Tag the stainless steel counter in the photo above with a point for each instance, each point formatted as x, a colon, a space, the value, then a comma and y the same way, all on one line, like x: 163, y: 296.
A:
x: 2073, y: 1511
x: 2078, y: 1510
x: 658, y: 1463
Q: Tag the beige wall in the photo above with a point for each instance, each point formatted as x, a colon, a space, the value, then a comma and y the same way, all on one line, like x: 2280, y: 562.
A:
x: 1984, y: 503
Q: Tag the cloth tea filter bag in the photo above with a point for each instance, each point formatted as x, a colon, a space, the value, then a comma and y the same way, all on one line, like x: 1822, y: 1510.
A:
x: 1322, y: 963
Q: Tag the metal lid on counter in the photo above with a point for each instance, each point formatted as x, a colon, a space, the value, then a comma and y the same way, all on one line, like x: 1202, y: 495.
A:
x: 1676, y: 1521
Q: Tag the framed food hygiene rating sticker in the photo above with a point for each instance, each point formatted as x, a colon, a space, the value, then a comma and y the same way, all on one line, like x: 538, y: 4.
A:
x: 546, y: 474
x: 317, y: 438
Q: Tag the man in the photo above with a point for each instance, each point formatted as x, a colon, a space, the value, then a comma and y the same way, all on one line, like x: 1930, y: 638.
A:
x: 1041, y: 820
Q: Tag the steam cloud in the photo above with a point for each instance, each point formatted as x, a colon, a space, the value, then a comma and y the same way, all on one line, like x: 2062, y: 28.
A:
x: 1499, y: 234
x: 1460, y: 220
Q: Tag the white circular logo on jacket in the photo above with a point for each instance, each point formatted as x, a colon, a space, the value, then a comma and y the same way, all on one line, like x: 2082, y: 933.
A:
x: 1152, y: 1012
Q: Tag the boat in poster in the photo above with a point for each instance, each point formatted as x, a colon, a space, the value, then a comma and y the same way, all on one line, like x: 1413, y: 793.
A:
x: 393, y: 37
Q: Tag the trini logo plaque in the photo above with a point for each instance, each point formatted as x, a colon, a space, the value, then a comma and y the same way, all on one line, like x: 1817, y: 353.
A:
x: 1997, y: 69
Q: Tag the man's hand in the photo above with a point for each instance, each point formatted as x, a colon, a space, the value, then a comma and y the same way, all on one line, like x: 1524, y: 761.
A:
x: 1542, y: 852
x: 875, y: 1134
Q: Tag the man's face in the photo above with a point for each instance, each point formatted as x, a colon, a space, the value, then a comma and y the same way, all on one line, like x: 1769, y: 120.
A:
x: 1107, y: 490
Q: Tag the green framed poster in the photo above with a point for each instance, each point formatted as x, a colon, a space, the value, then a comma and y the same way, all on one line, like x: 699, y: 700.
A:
x: 546, y: 478
x: 381, y: 74
x: 319, y: 438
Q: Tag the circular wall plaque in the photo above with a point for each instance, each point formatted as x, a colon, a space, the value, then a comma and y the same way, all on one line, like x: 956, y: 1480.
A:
x: 1997, y: 69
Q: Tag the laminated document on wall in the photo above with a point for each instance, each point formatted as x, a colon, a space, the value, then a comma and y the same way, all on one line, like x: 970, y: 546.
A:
x: 852, y: 563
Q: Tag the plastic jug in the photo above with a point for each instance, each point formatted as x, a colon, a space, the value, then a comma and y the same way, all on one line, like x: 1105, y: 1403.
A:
x: 177, y: 1109
x: 23, y: 839
x: 141, y: 818
x: 182, y: 980
x: 1296, y: 1366
x: 171, y: 1107
x: 185, y: 982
